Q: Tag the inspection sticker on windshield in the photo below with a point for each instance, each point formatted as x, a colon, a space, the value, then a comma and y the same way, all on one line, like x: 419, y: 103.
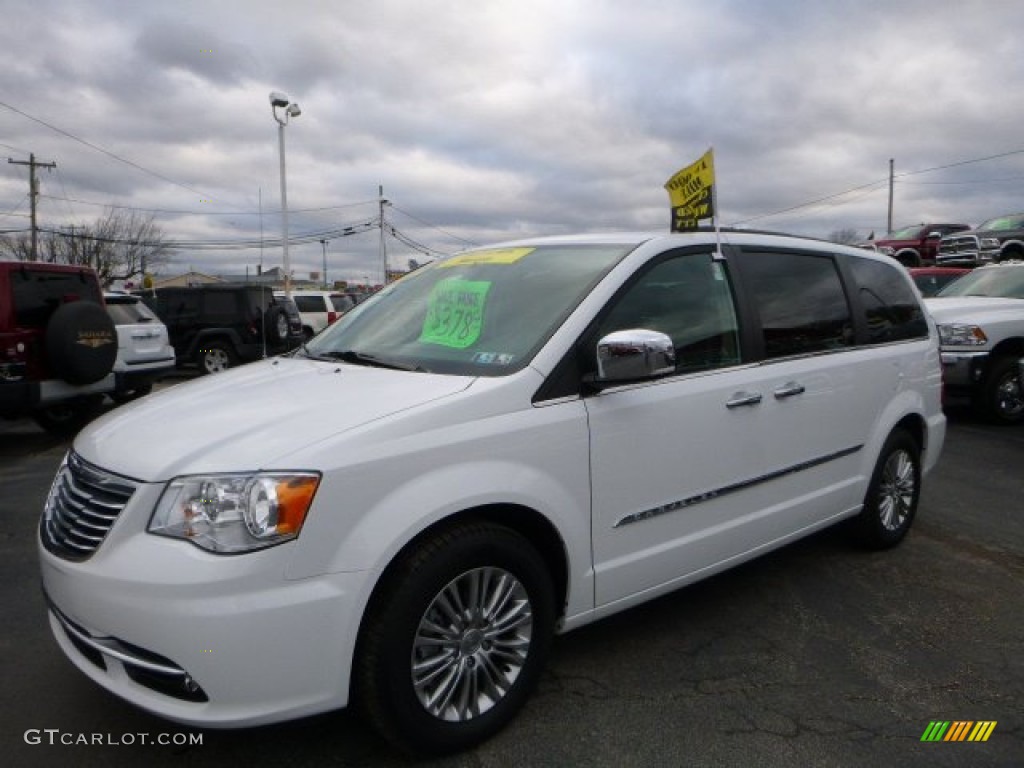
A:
x: 455, y: 313
x: 491, y: 256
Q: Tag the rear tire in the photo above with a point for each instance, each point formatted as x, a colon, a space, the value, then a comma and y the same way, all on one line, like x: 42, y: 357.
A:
x: 891, y: 500
x: 67, y: 418
x: 215, y: 356
x: 455, y: 639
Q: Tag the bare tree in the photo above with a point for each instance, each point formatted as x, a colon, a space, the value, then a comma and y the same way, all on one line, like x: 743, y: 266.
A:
x: 846, y: 236
x: 120, y: 245
x: 16, y: 246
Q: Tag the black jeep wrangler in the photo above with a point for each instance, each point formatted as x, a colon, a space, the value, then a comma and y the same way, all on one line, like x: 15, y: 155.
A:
x: 218, y: 326
x: 57, y: 345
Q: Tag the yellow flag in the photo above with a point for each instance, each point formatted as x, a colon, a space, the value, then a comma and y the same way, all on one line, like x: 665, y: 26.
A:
x: 691, y: 192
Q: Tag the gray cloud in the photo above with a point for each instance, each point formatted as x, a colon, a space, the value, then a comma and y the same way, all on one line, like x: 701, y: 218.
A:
x: 498, y: 119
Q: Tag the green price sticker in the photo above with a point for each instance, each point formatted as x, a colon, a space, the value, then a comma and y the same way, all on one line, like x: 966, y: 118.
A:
x: 455, y: 313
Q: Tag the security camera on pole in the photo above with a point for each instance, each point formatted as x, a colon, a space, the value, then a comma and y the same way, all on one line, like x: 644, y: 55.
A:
x: 279, y: 100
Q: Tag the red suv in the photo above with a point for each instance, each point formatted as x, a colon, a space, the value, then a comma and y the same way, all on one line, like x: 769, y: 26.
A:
x: 57, y: 344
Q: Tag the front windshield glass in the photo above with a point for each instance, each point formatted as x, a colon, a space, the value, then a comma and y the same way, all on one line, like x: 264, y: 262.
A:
x: 907, y: 233
x: 996, y: 282
x: 479, y: 313
x: 1002, y: 222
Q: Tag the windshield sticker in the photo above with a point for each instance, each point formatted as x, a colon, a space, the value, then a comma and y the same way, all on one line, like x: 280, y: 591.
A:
x: 492, y: 256
x: 455, y: 313
x: 493, y: 358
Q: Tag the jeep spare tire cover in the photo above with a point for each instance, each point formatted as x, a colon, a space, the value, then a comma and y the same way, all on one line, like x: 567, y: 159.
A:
x: 81, y: 342
x: 272, y: 324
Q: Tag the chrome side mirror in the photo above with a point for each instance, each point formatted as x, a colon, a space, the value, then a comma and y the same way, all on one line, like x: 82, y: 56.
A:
x: 634, y: 354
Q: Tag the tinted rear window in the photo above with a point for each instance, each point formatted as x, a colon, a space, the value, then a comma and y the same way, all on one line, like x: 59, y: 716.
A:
x: 800, y: 301
x: 342, y: 303
x: 891, y: 309
x: 38, y: 293
x: 129, y: 312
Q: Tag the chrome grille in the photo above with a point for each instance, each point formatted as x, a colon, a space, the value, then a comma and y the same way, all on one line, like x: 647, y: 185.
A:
x: 83, y: 503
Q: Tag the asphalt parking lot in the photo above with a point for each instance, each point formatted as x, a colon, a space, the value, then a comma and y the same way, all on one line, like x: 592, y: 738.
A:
x: 818, y: 654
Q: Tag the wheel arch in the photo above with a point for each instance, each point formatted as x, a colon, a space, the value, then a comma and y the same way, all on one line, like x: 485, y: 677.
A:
x: 227, y: 335
x: 1011, y: 249
x: 909, y: 257
x: 1012, y: 347
x: 527, y: 522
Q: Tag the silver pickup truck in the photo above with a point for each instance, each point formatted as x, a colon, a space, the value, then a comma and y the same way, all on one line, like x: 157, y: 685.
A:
x: 981, y: 333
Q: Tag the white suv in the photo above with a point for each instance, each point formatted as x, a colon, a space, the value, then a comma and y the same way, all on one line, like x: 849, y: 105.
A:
x: 144, y: 351
x: 319, y: 309
x: 505, y: 444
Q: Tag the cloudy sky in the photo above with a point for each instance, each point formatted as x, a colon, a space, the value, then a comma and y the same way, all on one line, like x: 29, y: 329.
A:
x: 485, y: 120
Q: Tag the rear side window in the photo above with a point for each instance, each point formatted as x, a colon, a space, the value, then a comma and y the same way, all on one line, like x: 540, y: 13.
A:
x: 800, y: 301
x: 37, y: 294
x: 890, y: 308
x: 310, y: 303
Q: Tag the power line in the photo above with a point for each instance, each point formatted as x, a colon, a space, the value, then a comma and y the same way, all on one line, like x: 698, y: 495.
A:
x: 181, y: 211
x: 103, y: 151
x: 433, y: 226
x: 816, y: 201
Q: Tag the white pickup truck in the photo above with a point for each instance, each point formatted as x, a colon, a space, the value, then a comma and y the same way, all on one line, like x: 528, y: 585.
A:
x: 981, y: 333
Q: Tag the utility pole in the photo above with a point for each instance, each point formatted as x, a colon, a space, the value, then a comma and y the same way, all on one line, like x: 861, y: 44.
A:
x: 324, y: 244
x: 383, y: 246
x: 891, y: 167
x: 33, y: 193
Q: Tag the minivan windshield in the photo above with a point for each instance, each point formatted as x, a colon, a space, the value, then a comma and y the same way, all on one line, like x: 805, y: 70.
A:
x: 478, y: 313
x: 996, y: 282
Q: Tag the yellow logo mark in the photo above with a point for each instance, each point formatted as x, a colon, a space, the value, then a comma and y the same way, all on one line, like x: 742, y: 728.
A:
x: 94, y: 339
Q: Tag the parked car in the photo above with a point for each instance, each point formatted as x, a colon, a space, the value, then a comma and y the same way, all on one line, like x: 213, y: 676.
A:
x: 916, y: 245
x: 931, y: 280
x: 319, y: 309
x: 998, y: 239
x: 407, y: 508
x: 144, y: 351
x: 218, y: 326
x: 981, y: 329
x: 57, y: 345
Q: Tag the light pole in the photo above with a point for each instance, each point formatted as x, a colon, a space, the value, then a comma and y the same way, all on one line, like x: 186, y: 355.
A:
x: 279, y: 100
x: 324, y: 244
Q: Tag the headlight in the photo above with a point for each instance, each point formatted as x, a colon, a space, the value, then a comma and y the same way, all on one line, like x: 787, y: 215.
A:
x: 235, y: 513
x: 990, y: 243
x: 888, y: 250
x: 957, y: 335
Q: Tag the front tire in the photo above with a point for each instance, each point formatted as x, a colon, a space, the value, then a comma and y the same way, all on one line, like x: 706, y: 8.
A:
x: 455, y: 639
x: 1002, y: 395
x: 891, y: 500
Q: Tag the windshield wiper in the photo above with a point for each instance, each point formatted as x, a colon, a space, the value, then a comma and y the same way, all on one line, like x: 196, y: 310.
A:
x: 362, y: 358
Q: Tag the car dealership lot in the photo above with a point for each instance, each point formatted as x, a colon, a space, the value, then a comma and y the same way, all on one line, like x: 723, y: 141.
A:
x: 817, y: 654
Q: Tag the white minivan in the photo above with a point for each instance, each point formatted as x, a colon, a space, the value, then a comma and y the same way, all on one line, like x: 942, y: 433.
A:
x: 505, y: 444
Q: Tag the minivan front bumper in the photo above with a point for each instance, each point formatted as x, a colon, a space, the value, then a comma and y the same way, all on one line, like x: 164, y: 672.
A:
x: 202, y: 639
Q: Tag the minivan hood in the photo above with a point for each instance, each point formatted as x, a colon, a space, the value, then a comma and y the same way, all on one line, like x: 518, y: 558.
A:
x: 250, y: 417
x: 971, y: 309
